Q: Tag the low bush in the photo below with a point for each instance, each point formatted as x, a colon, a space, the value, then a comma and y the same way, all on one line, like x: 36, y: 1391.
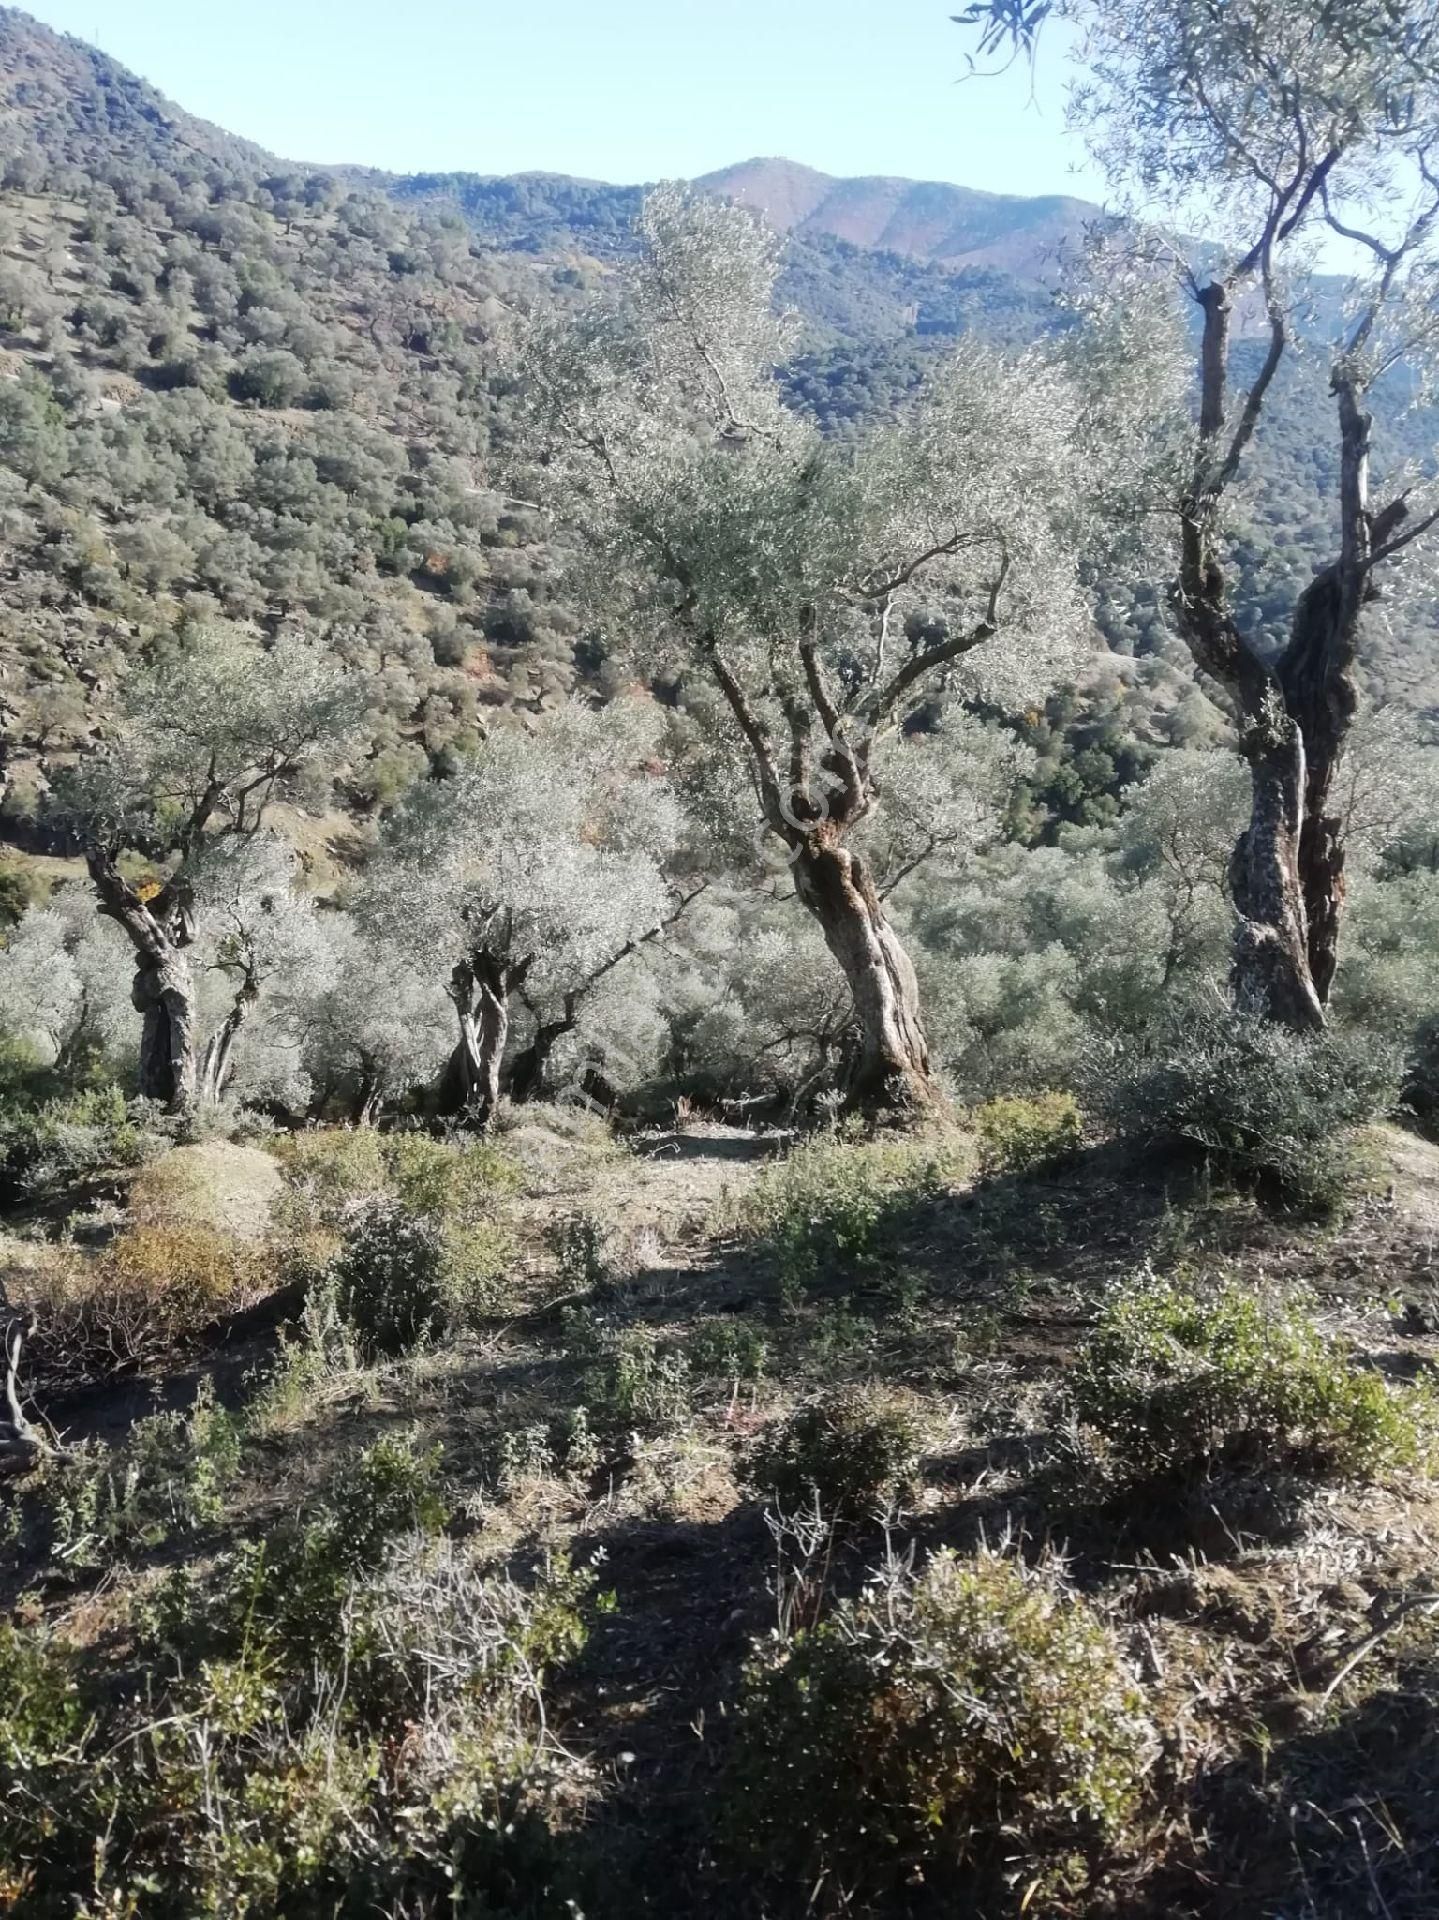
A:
x: 91, y: 1503
x: 62, y: 1142
x: 402, y: 1276
x: 1261, y: 1104
x: 588, y: 1251
x: 826, y: 1209
x: 728, y: 1351
x: 452, y: 1179
x: 855, y: 1450
x: 330, y: 1174
x: 639, y: 1382
x: 147, y: 1296
x: 971, y: 1727
x: 1175, y: 1382
x: 411, y: 1775
x: 389, y: 1279
x: 289, y: 1593
x: 1019, y: 1133
x: 434, y: 1638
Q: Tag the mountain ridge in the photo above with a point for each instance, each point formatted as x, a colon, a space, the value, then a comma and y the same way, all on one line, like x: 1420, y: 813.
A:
x: 934, y: 221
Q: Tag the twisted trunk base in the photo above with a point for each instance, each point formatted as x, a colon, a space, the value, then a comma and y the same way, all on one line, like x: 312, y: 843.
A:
x: 469, y: 1086
x: 890, y: 1069
x: 1272, y: 973
x: 164, y: 996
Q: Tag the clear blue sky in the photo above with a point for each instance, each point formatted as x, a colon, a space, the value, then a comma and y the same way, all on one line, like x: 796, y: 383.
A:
x: 613, y: 89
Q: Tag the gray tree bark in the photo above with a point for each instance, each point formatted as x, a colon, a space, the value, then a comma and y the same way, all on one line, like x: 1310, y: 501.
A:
x: 161, y: 932
x: 890, y: 1065
x: 480, y: 988
x: 1294, y: 719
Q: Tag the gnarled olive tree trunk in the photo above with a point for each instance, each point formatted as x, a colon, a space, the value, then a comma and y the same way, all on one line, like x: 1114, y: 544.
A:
x: 890, y: 1067
x: 217, y: 1057
x: 161, y: 931
x: 1295, y: 717
x: 480, y: 988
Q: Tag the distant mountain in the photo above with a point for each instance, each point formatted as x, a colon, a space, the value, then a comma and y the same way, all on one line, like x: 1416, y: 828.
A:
x: 924, y: 220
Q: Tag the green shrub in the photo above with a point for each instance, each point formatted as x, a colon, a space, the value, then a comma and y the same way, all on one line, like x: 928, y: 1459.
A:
x: 454, y: 1180
x: 389, y: 1279
x: 409, y: 1774
x: 1261, y: 1103
x: 328, y: 1172
x: 587, y: 1251
x: 41, y: 1713
x: 971, y: 1725
x: 61, y: 1142
x: 1175, y: 1382
x: 289, y: 1593
x: 825, y: 1210
x: 855, y: 1450
x: 639, y: 1382
x: 477, y: 1259
x: 1017, y: 1133
x: 729, y: 1351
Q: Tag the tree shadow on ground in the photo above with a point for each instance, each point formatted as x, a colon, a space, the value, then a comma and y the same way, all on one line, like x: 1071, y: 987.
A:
x: 1337, y: 1820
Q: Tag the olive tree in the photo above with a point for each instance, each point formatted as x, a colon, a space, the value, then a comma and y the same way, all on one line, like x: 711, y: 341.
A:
x: 205, y: 741
x: 535, y: 870
x: 259, y: 948
x: 1265, y: 125
x: 825, y: 593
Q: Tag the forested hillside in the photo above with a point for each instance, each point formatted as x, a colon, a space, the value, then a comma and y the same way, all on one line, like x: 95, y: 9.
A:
x: 240, y: 390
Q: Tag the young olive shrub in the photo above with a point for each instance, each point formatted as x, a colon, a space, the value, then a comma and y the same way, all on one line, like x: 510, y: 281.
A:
x: 728, y: 1351
x: 972, y: 1722
x: 1261, y: 1103
x: 1019, y: 1133
x: 1174, y: 1383
x: 588, y: 1250
x: 389, y: 1280
x: 854, y: 1451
